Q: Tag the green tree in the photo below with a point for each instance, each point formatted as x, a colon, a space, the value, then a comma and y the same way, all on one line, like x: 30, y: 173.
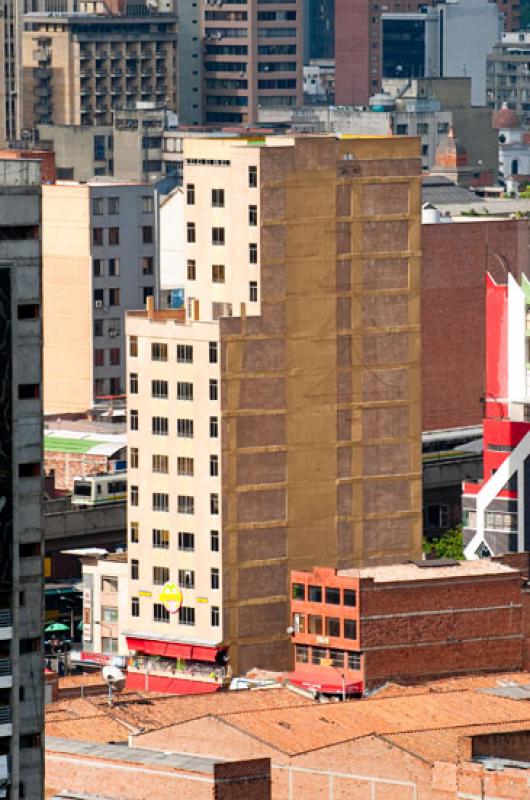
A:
x: 449, y: 545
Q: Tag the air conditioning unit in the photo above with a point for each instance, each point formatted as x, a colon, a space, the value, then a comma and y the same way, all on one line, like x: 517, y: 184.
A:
x: 113, y: 332
x: 98, y: 303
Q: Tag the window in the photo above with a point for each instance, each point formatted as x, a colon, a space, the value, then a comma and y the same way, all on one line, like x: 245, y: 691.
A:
x: 332, y: 626
x: 212, y: 352
x: 160, y: 539
x: 97, y: 237
x: 436, y: 516
x: 109, y: 644
x: 253, y: 215
x: 214, y: 541
x: 184, y: 391
x: 213, y: 389
x: 186, y: 577
x: 99, y: 296
x: 97, y: 267
x: 159, y: 426
x: 185, y: 428
x: 337, y: 658
x: 252, y: 177
x: 332, y: 596
x: 298, y: 591
x: 185, y: 466
x: 147, y: 291
x: 301, y: 654
x: 299, y: 623
x: 134, y: 495
x: 28, y: 391
x: 218, y: 236
x: 354, y: 661
x: 160, y: 613
x: 159, y: 389
x: 314, y: 624
x: 314, y: 594
x: 109, y: 614
x: 147, y: 265
x: 318, y: 654
x: 190, y: 194
x: 253, y: 253
x: 114, y: 205
x: 99, y: 148
x: 114, y: 356
x: 114, y: 236
x: 133, y: 383
x: 133, y: 419
x: 160, y: 463
x: 160, y: 575
x: 186, y: 504
x: 31, y: 469
x: 190, y: 232
x: 215, y: 617
x: 214, y: 428
x: 147, y: 204
x: 214, y: 466
x: 133, y: 457
x: 253, y: 291
x: 114, y: 297
x: 350, y: 597
x: 214, y: 578
x: 133, y: 532
x: 218, y: 273
x: 186, y: 615
x: 350, y: 629
x: 218, y: 198
x: 186, y: 541
x: 135, y: 606
x: 110, y: 584
x: 192, y: 269
x: 97, y: 206
x: 402, y: 130
x: 99, y: 387
x: 133, y: 346
x: 158, y: 351
x: 422, y: 128
x: 99, y: 358
x: 135, y: 569
x: 184, y: 354
x: 147, y: 234
x: 469, y: 518
x: 28, y: 311
x: 160, y: 501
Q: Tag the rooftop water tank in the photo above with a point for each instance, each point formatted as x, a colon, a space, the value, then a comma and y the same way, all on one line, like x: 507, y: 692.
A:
x: 382, y: 102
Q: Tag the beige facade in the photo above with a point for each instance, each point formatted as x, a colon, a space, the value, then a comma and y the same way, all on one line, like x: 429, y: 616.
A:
x: 105, y: 603
x: 320, y: 383
x: 98, y: 261
x: 78, y: 68
x: 174, y: 491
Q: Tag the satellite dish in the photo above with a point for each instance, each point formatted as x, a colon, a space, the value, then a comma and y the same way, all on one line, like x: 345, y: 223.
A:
x: 115, y: 680
x: 113, y: 677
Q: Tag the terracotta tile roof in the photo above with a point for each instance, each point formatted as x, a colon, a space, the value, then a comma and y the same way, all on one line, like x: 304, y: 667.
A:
x: 302, y: 729
x: 444, y: 745
x: 74, y: 681
x: 91, y: 719
x: 461, y: 684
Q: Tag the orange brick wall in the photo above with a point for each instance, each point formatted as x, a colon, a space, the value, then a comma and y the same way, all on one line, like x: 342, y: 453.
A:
x: 67, y: 466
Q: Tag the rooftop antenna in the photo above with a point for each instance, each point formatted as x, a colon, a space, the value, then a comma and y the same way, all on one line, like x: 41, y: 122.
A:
x: 115, y: 680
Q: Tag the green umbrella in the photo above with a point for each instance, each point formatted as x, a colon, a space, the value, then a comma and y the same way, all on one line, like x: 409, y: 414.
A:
x: 56, y: 627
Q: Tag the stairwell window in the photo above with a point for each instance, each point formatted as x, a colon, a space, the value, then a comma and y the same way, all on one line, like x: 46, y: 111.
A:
x: 133, y: 419
x: 214, y: 428
x: 190, y: 232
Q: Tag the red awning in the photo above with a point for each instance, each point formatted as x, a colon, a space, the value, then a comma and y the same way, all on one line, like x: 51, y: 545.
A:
x: 153, y: 647
x: 329, y: 685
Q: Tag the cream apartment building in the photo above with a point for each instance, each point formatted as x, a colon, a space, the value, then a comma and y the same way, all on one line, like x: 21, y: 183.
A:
x: 279, y: 423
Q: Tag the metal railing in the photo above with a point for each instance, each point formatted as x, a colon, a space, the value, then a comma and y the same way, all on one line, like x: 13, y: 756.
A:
x: 5, y: 618
x: 5, y: 666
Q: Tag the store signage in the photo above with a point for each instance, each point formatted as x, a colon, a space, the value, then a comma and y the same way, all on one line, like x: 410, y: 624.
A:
x: 171, y: 597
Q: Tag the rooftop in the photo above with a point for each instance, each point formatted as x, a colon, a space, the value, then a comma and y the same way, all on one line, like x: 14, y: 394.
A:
x: 90, y: 719
x: 75, y: 441
x: 429, y: 570
x: 134, y: 755
x: 430, y: 724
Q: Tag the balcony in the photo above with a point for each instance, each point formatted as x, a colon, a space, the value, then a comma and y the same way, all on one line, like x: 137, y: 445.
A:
x: 6, y: 673
x: 6, y: 631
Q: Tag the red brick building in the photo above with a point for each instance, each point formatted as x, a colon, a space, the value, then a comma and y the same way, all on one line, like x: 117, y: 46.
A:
x: 357, y: 629
x: 455, y: 260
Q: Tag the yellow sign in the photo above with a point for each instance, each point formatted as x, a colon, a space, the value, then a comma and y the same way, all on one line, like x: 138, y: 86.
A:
x: 325, y: 662
x: 171, y: 597
x: 202, y: 599
x: 145, y: 593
